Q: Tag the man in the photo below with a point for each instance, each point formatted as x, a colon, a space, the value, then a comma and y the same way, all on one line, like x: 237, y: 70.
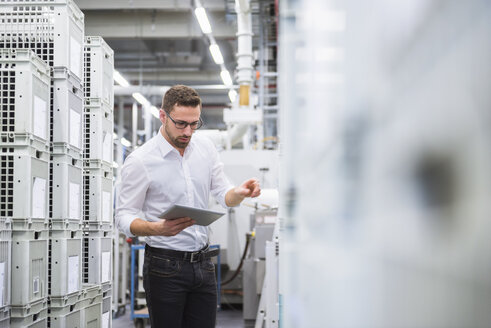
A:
x: 173, y: 168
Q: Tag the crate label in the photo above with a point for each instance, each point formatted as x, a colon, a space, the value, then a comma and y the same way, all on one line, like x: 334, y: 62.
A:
x: 75, y: 56
x: 73, y: 274
x: 75, y: 128
x: 2, y: 281
x: 40, y: 118
x: 106, y: 206
x: 35, y: 285
x: 74, y: 201
x: 105, y: 320
x: 39, y: 198
x: 106, y: 266
x: 106, y: 147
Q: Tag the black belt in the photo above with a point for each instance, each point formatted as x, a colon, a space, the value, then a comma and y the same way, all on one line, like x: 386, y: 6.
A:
x: 197, y: 256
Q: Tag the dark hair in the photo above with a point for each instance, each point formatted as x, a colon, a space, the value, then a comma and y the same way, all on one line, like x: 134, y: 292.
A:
x: 180, y: 95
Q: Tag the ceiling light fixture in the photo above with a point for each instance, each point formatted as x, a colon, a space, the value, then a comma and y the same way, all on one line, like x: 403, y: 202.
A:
x: 205, y: 26
x: 120, y: 79
x: 232, y: 95
x: 227, y: 80
x: 216, y: 54
x: 141, y: 99
x: 203, y: 21
x: 155, y: 112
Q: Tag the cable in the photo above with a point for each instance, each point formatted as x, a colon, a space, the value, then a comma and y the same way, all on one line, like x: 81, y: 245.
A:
x: 248, y: 239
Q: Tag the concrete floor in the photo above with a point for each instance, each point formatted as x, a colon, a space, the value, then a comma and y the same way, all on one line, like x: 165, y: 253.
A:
x: 226, y: 318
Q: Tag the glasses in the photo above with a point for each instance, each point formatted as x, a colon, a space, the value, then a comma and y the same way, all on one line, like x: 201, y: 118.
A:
x: 182, y: 124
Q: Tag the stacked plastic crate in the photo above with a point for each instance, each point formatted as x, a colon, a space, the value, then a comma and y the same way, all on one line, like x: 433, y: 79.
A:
x: 54, y: 30
x: 47, y: 254
x: 24, y: 165
x: 5, y: 262
x: 98, y: 175
x: 65, y: 248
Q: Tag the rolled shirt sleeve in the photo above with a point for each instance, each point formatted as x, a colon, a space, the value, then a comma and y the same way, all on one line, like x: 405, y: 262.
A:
x: 132, y: 193
x: 220, y: 184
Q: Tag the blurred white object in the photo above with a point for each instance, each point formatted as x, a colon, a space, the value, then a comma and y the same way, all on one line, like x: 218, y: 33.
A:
x: 387, y: 156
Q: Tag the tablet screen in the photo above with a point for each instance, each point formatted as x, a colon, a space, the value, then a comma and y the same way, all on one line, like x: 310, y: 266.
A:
x: 202, y: 217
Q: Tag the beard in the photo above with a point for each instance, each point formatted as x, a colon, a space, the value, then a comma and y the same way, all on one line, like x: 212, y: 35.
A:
x: 175, y: 140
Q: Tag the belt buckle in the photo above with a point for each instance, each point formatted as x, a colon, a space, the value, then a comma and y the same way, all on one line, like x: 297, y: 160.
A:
x: 193, y: 256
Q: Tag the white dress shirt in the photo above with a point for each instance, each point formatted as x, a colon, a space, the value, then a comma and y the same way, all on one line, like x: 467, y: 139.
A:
x: 155, y: 176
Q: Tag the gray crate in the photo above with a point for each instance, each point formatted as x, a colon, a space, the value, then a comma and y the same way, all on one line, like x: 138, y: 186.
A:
x: 5, y: 230
x: 53, y: 29
x: 65, y: 228
x: 66, y: 267
x: 66, y: 316
x: 98, y: 70
x: 39, y: 323
x: 98, y: 229
x: 107, y: 309
x: 5, y: 317
x: 92, y: 293
x: 98, y: 199
x: 22, y: 311
x: 106, y: 288
x: 100, y: 233
x: 92, y: 316
x: 98, y: 131
x: 67, y: 188
x: 24, y: 191
x: 94, y: 164
x: 24, y: 99
x: 29, y: 229
x: 5, y: 263
x: 92, y: 306
x: 21, y: 140
x: 97, y: 260
x: 34, y: 315
x: 67, y: 113
x: 29, y: 271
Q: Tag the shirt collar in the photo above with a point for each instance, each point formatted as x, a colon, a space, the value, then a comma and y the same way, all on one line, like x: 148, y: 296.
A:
x: 165, y: 147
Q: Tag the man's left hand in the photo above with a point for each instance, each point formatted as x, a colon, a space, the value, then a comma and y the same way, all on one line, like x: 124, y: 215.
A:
x: 249, y: 188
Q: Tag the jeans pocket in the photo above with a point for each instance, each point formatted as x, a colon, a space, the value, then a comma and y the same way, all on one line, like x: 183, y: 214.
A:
x: 208, y: 265
x: 164, y: 267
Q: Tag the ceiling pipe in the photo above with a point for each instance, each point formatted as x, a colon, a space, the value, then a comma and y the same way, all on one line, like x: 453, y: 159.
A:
x: 244, y: 55
x: 233, y: 135
x: 225, y: 139
x: 159, y: 90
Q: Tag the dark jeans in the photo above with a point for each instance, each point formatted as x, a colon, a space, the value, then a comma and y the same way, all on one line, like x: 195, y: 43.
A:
x: 180, y: 294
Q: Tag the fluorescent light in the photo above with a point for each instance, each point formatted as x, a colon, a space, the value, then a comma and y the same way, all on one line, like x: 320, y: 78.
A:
x: 141, y: 99
x: 125, y: 142
x: 216, y: 54
x: 225, y: 75
x: 115, y: 165
x: 155, y: 112
x: 203, y: 21
x: 232, y: 94
x: 120, y: 79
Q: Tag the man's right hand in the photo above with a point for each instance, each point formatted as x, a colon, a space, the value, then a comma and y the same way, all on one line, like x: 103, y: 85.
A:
x: 141, y: 227
x: 172, y: 227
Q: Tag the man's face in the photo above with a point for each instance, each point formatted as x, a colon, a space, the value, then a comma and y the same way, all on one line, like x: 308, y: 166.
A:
x: 179, y: 138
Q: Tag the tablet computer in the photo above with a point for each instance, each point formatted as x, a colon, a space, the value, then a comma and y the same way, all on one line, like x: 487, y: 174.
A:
x: 201, y: 216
